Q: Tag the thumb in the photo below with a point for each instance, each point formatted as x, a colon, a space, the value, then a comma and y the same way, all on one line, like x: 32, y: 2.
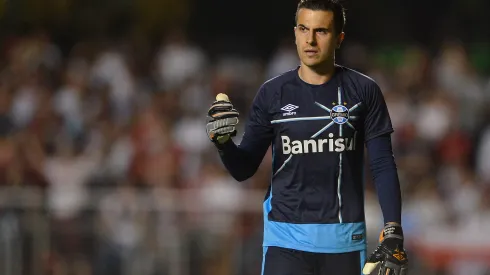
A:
x: 369, y: 267
x: 372, y: 262
x: 222, y: 97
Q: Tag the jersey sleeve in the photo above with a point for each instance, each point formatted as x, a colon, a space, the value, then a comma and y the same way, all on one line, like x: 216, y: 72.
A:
x: 377, y: 121
x: 385, y: 176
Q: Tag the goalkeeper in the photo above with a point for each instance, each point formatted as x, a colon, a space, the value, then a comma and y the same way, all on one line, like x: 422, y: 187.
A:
x: 318, y: 117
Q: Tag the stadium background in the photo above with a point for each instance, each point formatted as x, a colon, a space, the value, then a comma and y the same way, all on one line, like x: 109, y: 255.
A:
x: 105, y: 167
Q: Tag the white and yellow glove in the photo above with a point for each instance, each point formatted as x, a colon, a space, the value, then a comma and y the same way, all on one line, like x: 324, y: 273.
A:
x: 222, y: 120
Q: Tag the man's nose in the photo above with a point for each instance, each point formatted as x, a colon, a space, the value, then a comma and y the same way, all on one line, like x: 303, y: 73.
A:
x: 311, y: 39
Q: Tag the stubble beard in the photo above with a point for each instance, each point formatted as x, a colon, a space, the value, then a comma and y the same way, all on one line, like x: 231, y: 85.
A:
x: 318, y: 64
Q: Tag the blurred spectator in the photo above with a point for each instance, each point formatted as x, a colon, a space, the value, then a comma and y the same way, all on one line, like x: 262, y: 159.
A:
x: 285, y: 58
x: 178, y: 61
x: 123, y: 220
x: 105, y: 167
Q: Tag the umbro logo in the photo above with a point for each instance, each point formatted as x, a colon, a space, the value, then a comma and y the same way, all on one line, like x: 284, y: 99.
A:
x: 289, y: 109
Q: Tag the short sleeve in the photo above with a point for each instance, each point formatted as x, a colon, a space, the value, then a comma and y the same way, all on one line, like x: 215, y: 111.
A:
x: 378, y: 121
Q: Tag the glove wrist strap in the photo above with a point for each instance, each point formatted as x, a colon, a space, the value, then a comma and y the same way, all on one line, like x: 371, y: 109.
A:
x: 392, y: 231
x: 224, y: 146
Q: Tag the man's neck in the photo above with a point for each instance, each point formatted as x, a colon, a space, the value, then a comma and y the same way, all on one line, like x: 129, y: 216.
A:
x: 316, y: 76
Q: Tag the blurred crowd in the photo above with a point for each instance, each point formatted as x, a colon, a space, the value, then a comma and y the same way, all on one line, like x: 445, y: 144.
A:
x: 105, y: 166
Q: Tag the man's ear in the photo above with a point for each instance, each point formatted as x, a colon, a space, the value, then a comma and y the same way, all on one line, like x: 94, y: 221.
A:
x: 340, y: 39
x: 294, y: 30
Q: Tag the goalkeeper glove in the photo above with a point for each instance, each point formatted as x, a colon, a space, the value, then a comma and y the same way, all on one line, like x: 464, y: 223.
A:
x: 222, y: 119
x: 390, y: 253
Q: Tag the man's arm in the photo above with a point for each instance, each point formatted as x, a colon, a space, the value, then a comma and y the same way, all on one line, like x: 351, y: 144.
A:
x: 243, y: 160
x: 240, y: 160
x: 390, y: 253
x: 385, y: 176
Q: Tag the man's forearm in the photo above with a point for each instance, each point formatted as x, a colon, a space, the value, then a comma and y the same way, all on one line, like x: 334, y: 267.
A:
x: 385, y: 177
x: 241, y: 163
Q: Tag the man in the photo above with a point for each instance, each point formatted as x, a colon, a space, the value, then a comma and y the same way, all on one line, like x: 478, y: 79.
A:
x: 317, y: 118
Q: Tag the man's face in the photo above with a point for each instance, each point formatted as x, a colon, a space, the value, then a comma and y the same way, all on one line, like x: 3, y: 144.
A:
x: 316, y: 38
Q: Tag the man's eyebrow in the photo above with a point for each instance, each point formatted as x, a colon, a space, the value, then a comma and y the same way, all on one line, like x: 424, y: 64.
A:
x: 321, y: 29
x: 317, y: 29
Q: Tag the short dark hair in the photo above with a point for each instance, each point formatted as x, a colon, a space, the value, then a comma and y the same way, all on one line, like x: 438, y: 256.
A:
x: 326, y: 5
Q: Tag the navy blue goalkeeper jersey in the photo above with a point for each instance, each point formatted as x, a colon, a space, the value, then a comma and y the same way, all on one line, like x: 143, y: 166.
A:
x: 315, y: 201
